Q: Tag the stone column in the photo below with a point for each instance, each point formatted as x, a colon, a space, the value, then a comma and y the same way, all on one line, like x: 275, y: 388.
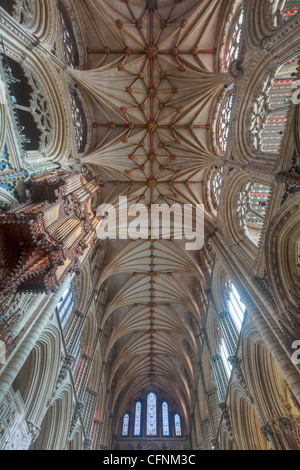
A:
x: 15, y: 364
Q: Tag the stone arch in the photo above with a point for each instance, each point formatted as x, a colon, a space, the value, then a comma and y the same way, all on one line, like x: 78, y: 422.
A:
x: 265, y: 381
x: 77, y: 441
x: 56, y: 423
x: 37, y: 378
x: 246, y: 426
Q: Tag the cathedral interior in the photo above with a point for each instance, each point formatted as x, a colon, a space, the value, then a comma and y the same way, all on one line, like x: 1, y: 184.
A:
x: 139, y: 343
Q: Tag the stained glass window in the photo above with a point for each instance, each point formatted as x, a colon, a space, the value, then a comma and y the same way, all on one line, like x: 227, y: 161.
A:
x: 233, y: 46
x: 177, y: 425
x: 270, y: 111
x: 125, y: 429
x: 165, y: 419
x: 291, y: 8
x: 224, y: 122
x: 137, y: 425
x: 68, y: 37
x: 252, y: 209
x: 151, y: 415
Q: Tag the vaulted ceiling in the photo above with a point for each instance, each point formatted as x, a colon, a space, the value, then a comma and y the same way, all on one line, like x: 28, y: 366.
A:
x: 153, y: 74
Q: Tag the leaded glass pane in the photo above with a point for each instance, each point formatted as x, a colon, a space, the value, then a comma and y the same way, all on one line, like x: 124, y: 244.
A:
x: 125, y: 425
x: 177, y: 425
x: 224, y: 123
x: 137, y: 425
x: 233, y: 47
x: 165, y: 419
x: 68, y: 41
x: 151, y: 415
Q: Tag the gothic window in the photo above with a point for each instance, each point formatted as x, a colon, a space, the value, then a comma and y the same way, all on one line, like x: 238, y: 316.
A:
x: 68, y: 37
x: 152, y: 420
x: 252, y: 209
x: 234, y: 42
x: 138, y: 414
x: 177, y: 425
x: 65, y: 307
x: 214, y: 187
x: 125, y: 428
x: 270, y: 111
x: 224, y: 123
x: 165, y: 419
x: 151, y: 415
x: 235, y: 306
x: 79, y: 121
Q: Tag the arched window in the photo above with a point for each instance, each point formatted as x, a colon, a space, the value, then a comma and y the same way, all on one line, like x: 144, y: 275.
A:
x: 125, y: 428
x: 224, y: 123
x: 236, y: 307
x: 252, y: 209
x: 68, y: 37
x: 79, y: 121
x: 270, y: 111
x: 177, y: 421
x: 138, y: 414
x: 151, y: 415
x: 234, y: 42
x: 165, y: 419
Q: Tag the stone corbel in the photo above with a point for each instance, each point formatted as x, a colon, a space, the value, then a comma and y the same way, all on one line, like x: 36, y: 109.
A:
x: 236, y: 365
x: 226, y: 419
x: 34, y: 431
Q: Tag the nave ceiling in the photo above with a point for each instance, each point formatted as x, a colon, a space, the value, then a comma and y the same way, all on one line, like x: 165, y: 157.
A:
x: 154, y: 75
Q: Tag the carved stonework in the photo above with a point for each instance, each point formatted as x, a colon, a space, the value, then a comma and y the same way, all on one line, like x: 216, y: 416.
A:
x: 236, y: 365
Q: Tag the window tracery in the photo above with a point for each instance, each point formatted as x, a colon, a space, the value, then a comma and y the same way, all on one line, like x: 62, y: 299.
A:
x: 252, y: 209
x: 125, y: 429
x: 177, y: 425
x: 138, y: 414
x: 68, y: 38
x: 214, y: 188
x: 224, y: 122
x: 152, y: 420
x: 165, y: 419
x: 234, y: 43
x: 269, y: 114
x: 151, y: 415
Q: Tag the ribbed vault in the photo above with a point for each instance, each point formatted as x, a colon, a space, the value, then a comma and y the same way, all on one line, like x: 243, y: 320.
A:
x: 154, y: 79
